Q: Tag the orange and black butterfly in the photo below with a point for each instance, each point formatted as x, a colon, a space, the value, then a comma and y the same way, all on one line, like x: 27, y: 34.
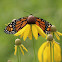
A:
x: 18, y: 24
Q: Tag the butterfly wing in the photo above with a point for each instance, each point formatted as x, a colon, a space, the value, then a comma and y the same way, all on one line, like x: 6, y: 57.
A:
x: 44, y: 25
x: 16, y: 25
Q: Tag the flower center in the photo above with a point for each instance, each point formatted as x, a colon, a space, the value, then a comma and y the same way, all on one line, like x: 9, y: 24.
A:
x: 31, y: 20
x: 53, y: 28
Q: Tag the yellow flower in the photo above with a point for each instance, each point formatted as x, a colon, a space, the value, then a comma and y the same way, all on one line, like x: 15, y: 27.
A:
x: 20, y: 48
x: 18, y: 44
x: 28, y: 30
x: 48, y: 49
x: 56, y: 33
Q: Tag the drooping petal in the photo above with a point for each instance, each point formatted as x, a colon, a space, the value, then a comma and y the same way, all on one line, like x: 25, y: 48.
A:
x: 21, y: 31
x: 35, y: 31
x: 15, y: 50
x: 21, y: 50
x: 60, y: 34
x: 30, y: 34
x: 57, y: 36
x: 40, y: 52
x: 46, y: 54
x: 26, y: 32
x: 40, y: 31
x: 21, y: 35
x: 57, y: 52
x: 24, y: 48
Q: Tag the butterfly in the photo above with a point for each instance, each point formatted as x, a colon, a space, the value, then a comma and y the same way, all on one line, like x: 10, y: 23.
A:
x: 18, y: 24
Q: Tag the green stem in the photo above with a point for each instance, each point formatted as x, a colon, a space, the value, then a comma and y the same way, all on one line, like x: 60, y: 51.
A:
x: 34, y: 50
x: 42, y: 57
x: 53, y: 34
x: 19, y: 49
x: 33, y: 46
x: 53, y: 52
x: 50, y: 52
x: 18, y: 54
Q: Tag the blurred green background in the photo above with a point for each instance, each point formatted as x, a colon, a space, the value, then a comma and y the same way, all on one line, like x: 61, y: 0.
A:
x: 50, y: 10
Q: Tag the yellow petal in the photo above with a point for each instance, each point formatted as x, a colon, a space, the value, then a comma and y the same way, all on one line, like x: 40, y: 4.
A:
x: 57, y: 36
x: 15, y: 50
x: 40, y: 31
x: 34, y: 31
x: 46, y: 54
x: 21, y: 35
x: 21, y: 50
x: 30, y: 34
x: 40, y: 51
x: 26, y: 32
x: 21, y: 31
x: 57, y: 52
x: 46, y: 37
x: 24, y: 48
x: 60, y: 34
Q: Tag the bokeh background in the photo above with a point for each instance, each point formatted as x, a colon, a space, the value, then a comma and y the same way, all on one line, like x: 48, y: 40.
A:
x: 49, y: 10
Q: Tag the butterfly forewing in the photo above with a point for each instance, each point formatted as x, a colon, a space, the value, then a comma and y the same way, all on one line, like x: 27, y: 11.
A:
x: 16, y: 25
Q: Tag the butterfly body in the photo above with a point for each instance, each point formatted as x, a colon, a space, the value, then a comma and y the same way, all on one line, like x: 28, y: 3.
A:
x: 18, y: 24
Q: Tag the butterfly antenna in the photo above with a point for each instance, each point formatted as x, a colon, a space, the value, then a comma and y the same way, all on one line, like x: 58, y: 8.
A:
x: 34, y: 12
x: 28, y: 12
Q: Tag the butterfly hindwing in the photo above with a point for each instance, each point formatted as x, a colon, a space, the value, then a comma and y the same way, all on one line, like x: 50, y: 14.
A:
x: 44, y: 25
x: 10, y: 29
x: 16, y: 25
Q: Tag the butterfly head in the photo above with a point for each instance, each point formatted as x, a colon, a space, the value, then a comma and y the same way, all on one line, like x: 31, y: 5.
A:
x: 31, y: 19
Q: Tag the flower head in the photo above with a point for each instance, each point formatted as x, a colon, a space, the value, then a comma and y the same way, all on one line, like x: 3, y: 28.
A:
x: 18, y: 44
x: 28, y: 30
x: 31, y: 27
x: 49, y: 37
x: 54, y: 30
x: 45, y: 50
x: 48, y: 51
